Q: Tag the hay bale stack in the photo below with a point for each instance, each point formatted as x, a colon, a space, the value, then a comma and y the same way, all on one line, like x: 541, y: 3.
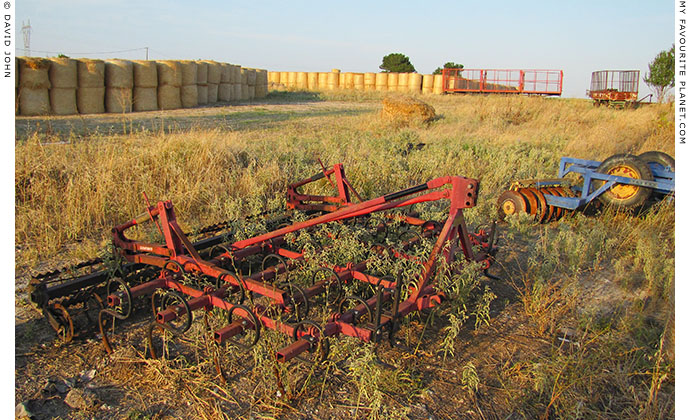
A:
x: 90, y: 73
x: 214, y: 70
x: 321, y: 81
x: 381, y: 81
x: 414, y: 82
x: 332, y: 80
x: 341, y: 80
x: 34, y: 83
x: 225, y: 73
x: 169, y: 84
x: 144, y: 98
x: 261, y: 83
x: 358, y: 81
x: 225, y: 90
x: 301, y: 82
x: 393, y: 82
x: 313, y: 81
x: 212, y: 93
x: 427, y: 83
x: 274, y: 77
x: 284, y: 78
x: 349, y: 81
x: 119, y: 81
x: 245, y: 86
x: 118, y: 100
x: 438, y: 84
x: 202, y: 82
x: 407, y: 110
x: 402, y: 81
x: 189, y: 93
x: 63, y: 81
x: 237, y: 82
x: 292, y: 80
x: 91, y: 100
x: 369, y: 81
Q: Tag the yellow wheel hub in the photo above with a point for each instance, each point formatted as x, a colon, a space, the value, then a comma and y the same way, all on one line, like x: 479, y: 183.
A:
x: 508, y: 207
x: 624, y: 191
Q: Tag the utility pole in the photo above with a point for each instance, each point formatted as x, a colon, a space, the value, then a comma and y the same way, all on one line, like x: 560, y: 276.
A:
x: 26, y: 32
x: 147, y: 52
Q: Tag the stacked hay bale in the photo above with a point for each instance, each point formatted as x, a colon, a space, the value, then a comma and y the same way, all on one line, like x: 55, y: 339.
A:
x: 225, y: 90
x: 322, y: 81
x: 358, y: 81
x: 403, y: 82
x: 245, y: 86
x: 332, y: 79
x: 302, y: 82
x: 369, y: 81
x: 213, y: 81
x: 145, y: 93
x: 313, y: 81
x: 438, y: 84
x: 169, y: 84
x: 349, y: 81
x: 381, y: 83
x: 189, y: 92
x: 63, y: 81
x: 34, y: 83
x: 237, y: 82
x: 427, y: 83
x: 393, y: 82
x: 261, y: 83
x: 202, y: 82
x: 284, y: 76
x: 119, y: 81
x: 251, y: 83
x: 273, y: 80
x: 414, y: 84
x: 292, y: 80
x: 341, y: 81
x: 91, y: 86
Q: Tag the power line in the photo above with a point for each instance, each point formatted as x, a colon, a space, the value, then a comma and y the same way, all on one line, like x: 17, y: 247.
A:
x: 84, y: 53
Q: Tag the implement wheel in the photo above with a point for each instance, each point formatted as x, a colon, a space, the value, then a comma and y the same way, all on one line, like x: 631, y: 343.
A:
x: 658, y: 158
x: 625, y: 195
x: 511, y: 202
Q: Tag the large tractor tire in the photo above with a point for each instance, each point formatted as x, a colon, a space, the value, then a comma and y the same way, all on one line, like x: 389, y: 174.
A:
x: 658, y: 158
x: 625, y: 196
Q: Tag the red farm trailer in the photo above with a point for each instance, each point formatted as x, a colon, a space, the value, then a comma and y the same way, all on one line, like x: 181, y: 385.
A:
x: 531, y: 82
x: 615, y: 88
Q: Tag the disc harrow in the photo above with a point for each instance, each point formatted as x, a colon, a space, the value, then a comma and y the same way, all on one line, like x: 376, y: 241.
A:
x: 340, y: 269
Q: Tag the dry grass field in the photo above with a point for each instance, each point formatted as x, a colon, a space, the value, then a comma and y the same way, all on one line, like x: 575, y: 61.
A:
x: 605, y: 280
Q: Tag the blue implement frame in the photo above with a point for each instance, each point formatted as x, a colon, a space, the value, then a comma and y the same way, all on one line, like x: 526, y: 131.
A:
x: 664, y: 181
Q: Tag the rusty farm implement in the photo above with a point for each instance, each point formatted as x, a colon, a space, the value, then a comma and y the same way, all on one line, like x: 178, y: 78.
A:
x: 622, y: 181
x: 293, y: 276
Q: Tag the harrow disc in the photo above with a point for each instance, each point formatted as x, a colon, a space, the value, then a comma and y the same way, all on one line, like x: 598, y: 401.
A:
x: 532, y: 201
x: 511, y: 202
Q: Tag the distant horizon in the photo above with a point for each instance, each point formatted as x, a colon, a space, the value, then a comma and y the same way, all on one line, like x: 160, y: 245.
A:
x: 355, y: 37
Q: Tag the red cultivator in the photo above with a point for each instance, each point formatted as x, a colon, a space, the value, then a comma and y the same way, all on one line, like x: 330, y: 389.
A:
x: 292, y: 278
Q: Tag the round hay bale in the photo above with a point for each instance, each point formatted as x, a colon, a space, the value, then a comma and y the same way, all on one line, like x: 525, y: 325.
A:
x: 251, y: 91
x: 237, y: 95
x: 145, y: 74
x: 91, y: 73
x: 117, y: 100
x: 63, y: 73
x: 169, y: 73
x: 273, y: 77
x: 322, y: 80
x: 341, y: 81
x: 245, y: 92
x: 402, y: 82
x: 169, y: 97
x: 438, y: 84
x: 34, y: 101
x: 190, y: 74
x: 33, y: 74
x: 91, y: 100
x: 382, y: 81
x: 118, y: 74
x: 414, y: 82
x: 213, y: 72
x: 301, y: 82
x: 202, y: 97
x: 225, y: 92
x: 237, y: 74
x: 369, y: 81
x: 292, y: 79
x: 332, y: 80
x: 349, y: 80
x: 225, y: 73
x: 212, y: 93
x: 260, y: 91
x: 251, y: 77
x: 427, y: 83
x: 405, y: 109
x: 63, y: 101
x: 145, y: 98
x: 189, y: 96
x: 201, y: 72
x: 284, y: 76
x: 393, y: 82
x: 358, y: 81
x: 313, y: 81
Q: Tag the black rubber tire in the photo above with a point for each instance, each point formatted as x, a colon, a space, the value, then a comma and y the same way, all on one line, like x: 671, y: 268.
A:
x: 658, y: 157
x: 640, y: 171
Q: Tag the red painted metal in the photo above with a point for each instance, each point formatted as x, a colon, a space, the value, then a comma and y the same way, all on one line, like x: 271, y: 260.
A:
x: 178, y: 258
x: 532, y: 82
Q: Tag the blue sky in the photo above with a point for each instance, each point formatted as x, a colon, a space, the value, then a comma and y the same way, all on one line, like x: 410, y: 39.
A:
x: 576, y: 36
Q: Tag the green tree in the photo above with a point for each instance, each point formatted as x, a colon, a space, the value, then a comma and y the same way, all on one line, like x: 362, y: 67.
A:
x: 662, y: 75
x: 448, y: 65
x: 397, y: 63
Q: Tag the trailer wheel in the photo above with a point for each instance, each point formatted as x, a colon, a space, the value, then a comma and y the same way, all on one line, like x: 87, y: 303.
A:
x: 658, y: 158
x: 624, y: 195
